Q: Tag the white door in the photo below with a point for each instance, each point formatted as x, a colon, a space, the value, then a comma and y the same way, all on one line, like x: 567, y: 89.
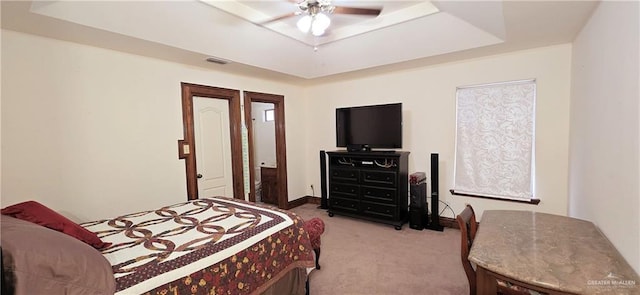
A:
x: 213, y: 147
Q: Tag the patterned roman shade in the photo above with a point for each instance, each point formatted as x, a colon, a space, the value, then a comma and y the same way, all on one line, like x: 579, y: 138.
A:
x: 495, y: 148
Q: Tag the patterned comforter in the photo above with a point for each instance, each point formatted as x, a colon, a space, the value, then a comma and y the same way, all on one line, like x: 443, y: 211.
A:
x: 204, y: 246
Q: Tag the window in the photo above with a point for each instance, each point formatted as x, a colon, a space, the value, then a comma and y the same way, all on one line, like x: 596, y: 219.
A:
x: 269, y: 115
x: 495, y: 148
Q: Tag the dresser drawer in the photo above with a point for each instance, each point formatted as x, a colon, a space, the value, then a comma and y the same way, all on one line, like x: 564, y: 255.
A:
x: 344, y: 175
x: 378, y: 178
x: 344, y: 190
x: 346, y: 205
x: 379, y: 194
x: 377, y: 210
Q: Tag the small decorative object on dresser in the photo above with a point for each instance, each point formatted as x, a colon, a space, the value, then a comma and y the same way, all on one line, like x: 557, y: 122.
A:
x: 369, y: 185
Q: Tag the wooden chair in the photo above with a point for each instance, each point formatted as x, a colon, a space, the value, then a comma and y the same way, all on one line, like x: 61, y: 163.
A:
x: 468, y: 229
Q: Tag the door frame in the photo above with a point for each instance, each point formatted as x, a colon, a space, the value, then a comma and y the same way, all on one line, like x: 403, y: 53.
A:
x: 233, y: 97
x: 281, y: 146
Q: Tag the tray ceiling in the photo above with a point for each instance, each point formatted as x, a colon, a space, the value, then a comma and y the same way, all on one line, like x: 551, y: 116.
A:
x: 405, y: 32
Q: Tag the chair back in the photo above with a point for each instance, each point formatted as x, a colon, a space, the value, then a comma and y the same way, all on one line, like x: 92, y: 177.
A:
x: 468, y: 228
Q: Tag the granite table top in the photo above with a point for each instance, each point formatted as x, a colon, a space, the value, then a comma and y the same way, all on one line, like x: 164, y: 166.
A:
x: 551, y: 251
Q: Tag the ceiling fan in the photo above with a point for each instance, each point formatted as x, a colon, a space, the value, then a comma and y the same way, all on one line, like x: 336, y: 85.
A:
x: 316, y: 13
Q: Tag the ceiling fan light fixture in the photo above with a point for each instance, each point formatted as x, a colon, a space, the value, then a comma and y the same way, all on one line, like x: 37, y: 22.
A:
x: 320, y: 24
x: 315, y: 15
x: 317, y: 32
x: 317, y: 24
x: 304, y: 23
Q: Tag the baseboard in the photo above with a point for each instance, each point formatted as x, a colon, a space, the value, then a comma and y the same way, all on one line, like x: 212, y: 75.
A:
x: 444, y: 221
x: 297, y: 202
x: 313, y: 200
x: 449, y: 222
x: 303, y: 200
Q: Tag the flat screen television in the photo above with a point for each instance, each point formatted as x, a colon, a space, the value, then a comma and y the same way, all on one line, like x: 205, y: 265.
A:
x: 366, y: 127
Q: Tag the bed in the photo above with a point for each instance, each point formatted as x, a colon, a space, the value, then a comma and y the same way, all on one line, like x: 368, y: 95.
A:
x: 205, y: 246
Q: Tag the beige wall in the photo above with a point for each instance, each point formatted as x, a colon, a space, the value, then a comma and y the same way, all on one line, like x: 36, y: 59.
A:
x: 429, y: 110
x: 605, y: 172
x: 85, y: 128
x: 93, y: 133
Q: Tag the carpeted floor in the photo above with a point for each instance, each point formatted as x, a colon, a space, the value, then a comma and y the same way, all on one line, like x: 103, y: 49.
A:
x: 362, y: 257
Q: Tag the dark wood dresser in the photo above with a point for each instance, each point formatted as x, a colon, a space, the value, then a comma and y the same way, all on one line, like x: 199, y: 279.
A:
x: 369, y: 185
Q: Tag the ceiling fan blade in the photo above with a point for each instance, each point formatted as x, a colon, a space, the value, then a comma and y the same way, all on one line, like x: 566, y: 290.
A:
x: 356, y: 10
x: 279, y: 17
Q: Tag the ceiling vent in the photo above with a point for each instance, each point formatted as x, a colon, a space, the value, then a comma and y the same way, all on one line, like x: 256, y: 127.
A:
x: 217, y: 60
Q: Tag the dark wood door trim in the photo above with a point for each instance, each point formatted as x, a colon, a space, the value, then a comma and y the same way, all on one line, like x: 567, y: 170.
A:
x: 281, y: 148
x: 233, y: 96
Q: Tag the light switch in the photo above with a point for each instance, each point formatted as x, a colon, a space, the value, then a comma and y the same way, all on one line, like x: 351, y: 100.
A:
x: 185, y: 149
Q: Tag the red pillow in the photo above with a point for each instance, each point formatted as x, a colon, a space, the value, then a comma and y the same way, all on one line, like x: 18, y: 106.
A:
x: 37, y: 213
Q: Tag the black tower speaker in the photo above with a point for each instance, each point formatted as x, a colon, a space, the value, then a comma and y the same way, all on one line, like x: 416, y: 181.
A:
x: 324, y: 204
x: 418, y: 195
x: 434, y: 223
x: 418, y: 206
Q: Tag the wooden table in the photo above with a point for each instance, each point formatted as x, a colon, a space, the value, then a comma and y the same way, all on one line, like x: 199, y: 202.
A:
x: 549, y: 253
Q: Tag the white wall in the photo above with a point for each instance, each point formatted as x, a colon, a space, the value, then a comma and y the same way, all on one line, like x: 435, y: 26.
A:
x: 429, y: 110
x: 93, y: 133
x: 604, y: 146
x: 264, y: 135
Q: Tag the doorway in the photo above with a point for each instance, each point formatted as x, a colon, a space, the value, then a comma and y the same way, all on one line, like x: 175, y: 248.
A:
x: 264, y: 152
x: 280, y: 168
x: 213, y: 155
x: 187, y: 147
